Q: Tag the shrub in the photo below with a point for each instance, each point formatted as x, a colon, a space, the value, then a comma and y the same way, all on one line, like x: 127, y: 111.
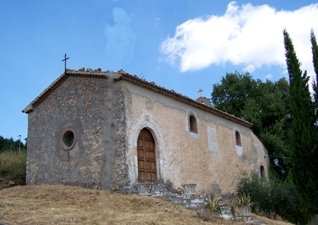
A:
x: 13, y: 163
x: 272, y: 198
x: 213, y: 204
x: 244, y: 200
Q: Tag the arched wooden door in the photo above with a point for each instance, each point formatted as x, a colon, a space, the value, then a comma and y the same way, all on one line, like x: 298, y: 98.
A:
x: 147, y: 169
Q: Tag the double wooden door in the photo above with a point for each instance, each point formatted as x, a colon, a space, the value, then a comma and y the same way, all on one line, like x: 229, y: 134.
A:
x: 147, y: 169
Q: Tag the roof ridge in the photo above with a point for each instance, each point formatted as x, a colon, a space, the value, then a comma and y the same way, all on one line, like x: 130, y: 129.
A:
x: 98, y: 73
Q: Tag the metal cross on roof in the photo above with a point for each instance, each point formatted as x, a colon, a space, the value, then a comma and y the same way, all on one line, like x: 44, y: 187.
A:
x: 65, y: 58
x: 200, y: 91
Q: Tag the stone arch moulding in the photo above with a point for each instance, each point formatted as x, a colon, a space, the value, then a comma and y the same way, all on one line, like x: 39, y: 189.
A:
x: 238, y: 145
x: 153, y: 128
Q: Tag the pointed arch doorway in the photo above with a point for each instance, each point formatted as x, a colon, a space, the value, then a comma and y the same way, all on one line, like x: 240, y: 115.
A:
x: 147, y: 168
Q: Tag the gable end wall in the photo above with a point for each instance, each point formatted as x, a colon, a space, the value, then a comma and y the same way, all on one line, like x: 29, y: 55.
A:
x: 78, y: 103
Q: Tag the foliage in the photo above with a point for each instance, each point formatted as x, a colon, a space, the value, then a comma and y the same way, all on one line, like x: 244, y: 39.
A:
x: 213, y: 204
x: 233, y: 211
x: 315, y: 90
x: 244, y: 200
x: 13, y: 163
x: 264, y: 105
x: 272, y: 198
x: 9, y: 144
x: 314, y: 49
x: 303, y: 133
x: 231, y: 94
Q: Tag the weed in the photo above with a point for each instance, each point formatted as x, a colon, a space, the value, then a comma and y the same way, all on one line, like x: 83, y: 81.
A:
x: 244, y: 200
x: 13, y: 163
x: 213, y: 204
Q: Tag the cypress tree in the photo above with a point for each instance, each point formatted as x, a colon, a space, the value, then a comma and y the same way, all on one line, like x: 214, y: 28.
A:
x: 302, y: 135
x: 314, y: 49
x: 315, y: 90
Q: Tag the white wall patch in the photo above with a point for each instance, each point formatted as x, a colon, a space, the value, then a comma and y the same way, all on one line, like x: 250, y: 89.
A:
x: 212, y: 140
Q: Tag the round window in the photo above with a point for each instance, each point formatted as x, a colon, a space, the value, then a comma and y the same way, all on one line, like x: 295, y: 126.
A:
x: 68, y: 139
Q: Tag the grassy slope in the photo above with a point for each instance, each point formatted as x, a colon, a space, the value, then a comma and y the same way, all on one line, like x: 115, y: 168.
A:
x: 58, y: 204
x: 12, y: 167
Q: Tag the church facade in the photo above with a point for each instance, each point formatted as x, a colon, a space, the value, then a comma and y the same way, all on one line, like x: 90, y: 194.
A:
x: 112, y: 129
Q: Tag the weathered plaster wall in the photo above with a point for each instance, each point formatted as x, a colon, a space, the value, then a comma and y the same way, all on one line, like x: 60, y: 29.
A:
x: 107, y: 117
x: 210, y: 158
x: 78, y: 103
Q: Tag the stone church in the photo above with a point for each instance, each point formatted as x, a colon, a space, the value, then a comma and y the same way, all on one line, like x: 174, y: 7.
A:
x: 96, y: 128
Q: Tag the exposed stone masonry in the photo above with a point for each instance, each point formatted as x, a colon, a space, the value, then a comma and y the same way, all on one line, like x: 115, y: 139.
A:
x: 78, y: 103
x: 186, y: 197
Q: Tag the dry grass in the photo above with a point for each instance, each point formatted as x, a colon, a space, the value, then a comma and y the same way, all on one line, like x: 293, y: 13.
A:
x: 57, y: 204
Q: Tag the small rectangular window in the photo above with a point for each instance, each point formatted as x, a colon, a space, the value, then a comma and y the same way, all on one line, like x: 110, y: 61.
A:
x: 238, y: 138
x: 193, y: 127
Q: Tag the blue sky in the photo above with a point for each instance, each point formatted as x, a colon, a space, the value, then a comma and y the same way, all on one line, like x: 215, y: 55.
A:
x: 181, y: 45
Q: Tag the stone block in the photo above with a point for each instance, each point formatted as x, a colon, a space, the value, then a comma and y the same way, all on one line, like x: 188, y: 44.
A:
x: 144, y: 189
x: 189, y: 189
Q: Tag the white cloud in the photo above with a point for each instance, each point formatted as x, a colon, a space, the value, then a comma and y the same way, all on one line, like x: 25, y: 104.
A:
x: 121, y: 40
x: 249, y: 68
x: 247, y: 35
x: 268, y: 76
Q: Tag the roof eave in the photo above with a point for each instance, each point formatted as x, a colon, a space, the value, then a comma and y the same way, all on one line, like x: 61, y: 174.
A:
x: 56, y: 83
x: 28, y: 109
x: 171, y: 93
x: 121, y: 75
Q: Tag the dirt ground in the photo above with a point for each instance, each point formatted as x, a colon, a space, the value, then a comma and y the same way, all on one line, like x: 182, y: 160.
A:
x: 4, y: 181
x: 58, y: 204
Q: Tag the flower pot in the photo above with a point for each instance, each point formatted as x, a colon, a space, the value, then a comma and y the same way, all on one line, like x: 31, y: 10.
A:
x: 244, y: 210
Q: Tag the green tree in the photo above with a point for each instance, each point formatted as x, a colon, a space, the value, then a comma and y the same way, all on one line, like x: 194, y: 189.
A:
x: 315, y: 90
x: 231, y: 94
x: 314, y: 49
x: 261, y: 103
x: 10, y: 145
x: 302, y: 133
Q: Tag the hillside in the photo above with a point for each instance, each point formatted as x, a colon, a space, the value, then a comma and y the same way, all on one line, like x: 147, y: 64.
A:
x: 58, y: 204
